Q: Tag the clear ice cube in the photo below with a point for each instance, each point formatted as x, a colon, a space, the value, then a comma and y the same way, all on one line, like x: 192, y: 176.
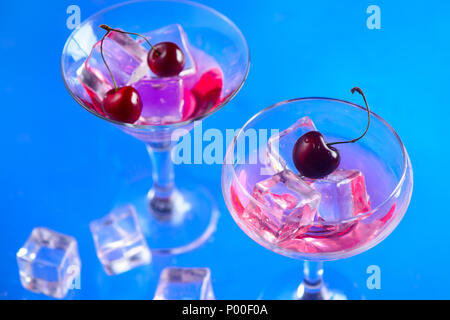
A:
x: 165, y: 100
x: 123, y: 56
x: 48, y: 262
x: 344, y: 195
x: 96, y: 86
x: 172, y: 33
x: 185, y: 284
x: 119, y: 241
x: 162, y: 100
x: 285, y: 205
x: 130, y: 46
x: 280, y: 146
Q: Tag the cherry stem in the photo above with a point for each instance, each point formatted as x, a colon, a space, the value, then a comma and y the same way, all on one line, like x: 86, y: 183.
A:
x: 109, y: 29
x: 104, y: 61
x: 368, y: 119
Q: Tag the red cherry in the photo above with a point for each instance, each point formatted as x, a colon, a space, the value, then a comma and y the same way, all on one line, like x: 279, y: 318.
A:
x: 123, y: 104
x: 166, y: 59
x: 313, y: 158
x: 207, y: 90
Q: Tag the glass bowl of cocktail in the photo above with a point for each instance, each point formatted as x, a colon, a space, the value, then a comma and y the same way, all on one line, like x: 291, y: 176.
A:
x: 154, y: 69
x: 349, y: 210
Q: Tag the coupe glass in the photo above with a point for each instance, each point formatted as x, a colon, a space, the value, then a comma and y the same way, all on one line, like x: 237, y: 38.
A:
x: 380, y: 156
x: 178, y: 218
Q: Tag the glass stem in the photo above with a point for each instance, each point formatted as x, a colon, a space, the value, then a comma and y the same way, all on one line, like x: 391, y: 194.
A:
x: 312, y: 287
x: 160, y: 195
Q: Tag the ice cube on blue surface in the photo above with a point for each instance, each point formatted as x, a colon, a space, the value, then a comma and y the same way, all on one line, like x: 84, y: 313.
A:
x: 185, y: 284
x: 344, y: 195
x: 281, y: 145
x: 119, y: 241
x: 285, y: 205
x: 48, y: 262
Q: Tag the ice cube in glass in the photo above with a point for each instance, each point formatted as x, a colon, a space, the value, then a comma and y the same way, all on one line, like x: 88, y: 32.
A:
x: 172, y: 33
x: 162, y: 100
x: 343, y: 194
x: 184, y: 284
x: 48, y: 262
x: 285, y: 205
x: 119, y: 241
x: 123, y: 56
x: 281, y: 145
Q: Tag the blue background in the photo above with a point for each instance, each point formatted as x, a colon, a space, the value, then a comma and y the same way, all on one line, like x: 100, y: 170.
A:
x: 61, y: 167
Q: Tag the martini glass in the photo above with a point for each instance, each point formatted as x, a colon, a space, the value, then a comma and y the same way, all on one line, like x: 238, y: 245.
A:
x: 381, y: 158
x: 174, y: 218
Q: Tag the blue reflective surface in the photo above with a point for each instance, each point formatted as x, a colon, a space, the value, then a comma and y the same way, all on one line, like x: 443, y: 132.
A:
x: 61, y: 167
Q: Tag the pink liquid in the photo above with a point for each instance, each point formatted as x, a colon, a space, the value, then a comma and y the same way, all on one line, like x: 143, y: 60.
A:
x: 320, y: 237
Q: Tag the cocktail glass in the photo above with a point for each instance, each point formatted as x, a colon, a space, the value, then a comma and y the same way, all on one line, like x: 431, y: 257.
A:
x: 380, y: 156
x: 178, y: 218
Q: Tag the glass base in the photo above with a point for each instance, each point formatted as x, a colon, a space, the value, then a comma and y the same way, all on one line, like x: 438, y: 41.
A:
x: 285, y: 286
x: 318, y: 292
x: 178, y: 225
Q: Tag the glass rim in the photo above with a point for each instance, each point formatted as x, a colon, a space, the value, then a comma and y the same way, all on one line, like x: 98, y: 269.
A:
x: 171, y: 126
x: 362, y: 215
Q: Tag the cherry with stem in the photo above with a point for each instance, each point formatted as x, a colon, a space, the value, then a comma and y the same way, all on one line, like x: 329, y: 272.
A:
x: 122, y: 104
x: 314, y: 158
x: 165, y: 59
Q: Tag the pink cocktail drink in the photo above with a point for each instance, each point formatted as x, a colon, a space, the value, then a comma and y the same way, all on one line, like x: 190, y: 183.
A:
x: 325, y: 233
x: 196, y: 90
x: 326, y: 218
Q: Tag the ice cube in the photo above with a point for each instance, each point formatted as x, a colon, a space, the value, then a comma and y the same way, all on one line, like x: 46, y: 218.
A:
x: 162, y: 100
x: 49, y: 262
x: 129, y: 45
x: 185, y: 284
x: 172, y: 33
x: 96, y: 86
x: 285, y: 205
x: 166, y: 100
x: 280, y: 146
x: 123, y: 56
x: 119, y: 241
x: 344, y: 195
